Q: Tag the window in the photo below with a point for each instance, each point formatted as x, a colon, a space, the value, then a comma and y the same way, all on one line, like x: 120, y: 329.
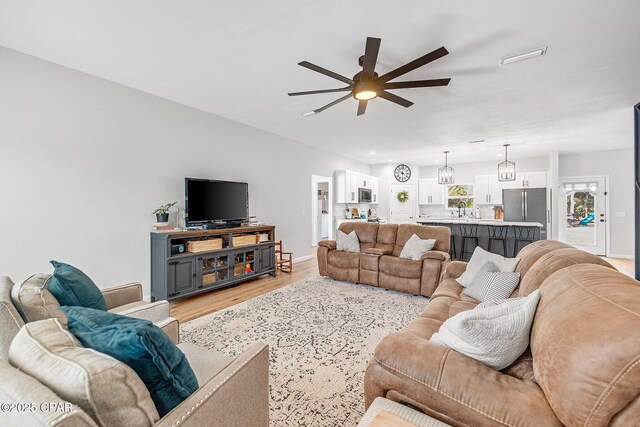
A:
x: 457, y: 194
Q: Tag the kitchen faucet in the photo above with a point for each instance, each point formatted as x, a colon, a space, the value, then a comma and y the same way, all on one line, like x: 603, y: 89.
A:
x: 464, y: 209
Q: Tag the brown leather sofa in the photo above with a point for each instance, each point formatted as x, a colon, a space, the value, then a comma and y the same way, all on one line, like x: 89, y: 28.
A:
x: 379, y: 262
x: 582, y: 367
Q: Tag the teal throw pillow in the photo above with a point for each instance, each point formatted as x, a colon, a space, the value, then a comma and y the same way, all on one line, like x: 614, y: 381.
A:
x: 142, y: 346
x: 72, y: 287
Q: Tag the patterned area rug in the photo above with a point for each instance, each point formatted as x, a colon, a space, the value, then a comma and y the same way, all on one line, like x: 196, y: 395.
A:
x: 321, y: 334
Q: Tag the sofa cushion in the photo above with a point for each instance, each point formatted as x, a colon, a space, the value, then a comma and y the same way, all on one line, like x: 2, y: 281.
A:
x: 71, y: 287
x: 106, y: 389
x: 416, y: 247
x: 366, y: 232
x: 448, y: 288
x: 343, y: 259
x: 553, y: 261
x: 495, y: 335
x: 34, y: 301
x: 585, y: 343
x: 45, y: 408
x: 143, y: 347
x: 386, y: 237
x: 439, y: 234
x: 400, y: 267
x: 478, y: 260
x: 206, y: 364
x: 531, y: 253
x: 9, y: 317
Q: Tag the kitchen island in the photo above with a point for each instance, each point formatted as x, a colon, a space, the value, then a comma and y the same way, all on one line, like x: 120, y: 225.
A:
x: 483, y: 233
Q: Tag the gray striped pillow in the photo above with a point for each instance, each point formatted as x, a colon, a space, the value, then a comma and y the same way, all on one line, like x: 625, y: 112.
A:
x: 490, y: 285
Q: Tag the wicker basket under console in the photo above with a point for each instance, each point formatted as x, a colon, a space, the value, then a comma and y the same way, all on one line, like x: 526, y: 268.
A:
x: 204, y: 245
x: 244, y: 240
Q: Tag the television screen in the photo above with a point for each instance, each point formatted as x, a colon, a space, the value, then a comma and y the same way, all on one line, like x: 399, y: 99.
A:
x: 209, y: 200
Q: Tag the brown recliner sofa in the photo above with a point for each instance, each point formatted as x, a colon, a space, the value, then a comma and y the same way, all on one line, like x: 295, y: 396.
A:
x: 582, y: 367
x: 379, y: 262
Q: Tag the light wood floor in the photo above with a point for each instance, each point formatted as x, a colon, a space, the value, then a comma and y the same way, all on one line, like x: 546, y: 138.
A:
x: 191, y: 308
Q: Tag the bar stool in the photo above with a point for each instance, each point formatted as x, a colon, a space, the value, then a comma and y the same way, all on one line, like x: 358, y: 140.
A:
x: 452, y: 242
x: 499, y: 233
x: 468, y: 232
x: 522, y: 234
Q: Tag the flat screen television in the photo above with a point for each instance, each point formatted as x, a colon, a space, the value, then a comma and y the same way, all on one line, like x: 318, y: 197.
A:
x: 215, y: 203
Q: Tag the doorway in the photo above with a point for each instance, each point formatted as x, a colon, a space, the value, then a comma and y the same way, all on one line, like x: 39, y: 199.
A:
x: 401, y: 212
x: 583, y: 210
x: 321, y: 208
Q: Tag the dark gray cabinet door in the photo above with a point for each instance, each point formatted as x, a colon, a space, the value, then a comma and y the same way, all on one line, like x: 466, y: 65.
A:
x: 182, y: 277
x: 267, y: 258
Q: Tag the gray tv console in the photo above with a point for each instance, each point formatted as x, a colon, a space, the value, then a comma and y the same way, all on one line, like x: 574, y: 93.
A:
x: 190, y: 273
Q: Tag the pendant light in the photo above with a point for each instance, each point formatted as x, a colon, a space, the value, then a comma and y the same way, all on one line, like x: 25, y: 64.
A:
x: 506, y: 169
x: 445, y: 173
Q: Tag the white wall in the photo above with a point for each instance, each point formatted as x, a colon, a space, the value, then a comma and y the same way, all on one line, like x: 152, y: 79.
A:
x: 618, y: 164
x: 85, y: 161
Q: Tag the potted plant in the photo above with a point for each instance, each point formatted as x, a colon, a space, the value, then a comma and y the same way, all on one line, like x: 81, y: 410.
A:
x: 162, y: 212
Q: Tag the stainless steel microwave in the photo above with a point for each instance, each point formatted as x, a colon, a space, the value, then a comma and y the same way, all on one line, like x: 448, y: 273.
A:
x: 364, y: 195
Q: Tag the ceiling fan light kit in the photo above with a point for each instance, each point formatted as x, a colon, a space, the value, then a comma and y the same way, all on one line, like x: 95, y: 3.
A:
x: 446, y: 174
x: 367, y: 84
x: 523, y: 55
x: 506, y: 169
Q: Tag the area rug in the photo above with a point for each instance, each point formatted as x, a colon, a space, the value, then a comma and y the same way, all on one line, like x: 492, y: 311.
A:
x: 321, y: 334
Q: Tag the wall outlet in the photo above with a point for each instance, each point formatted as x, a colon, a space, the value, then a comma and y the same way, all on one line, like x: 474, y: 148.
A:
x: 620, y: 214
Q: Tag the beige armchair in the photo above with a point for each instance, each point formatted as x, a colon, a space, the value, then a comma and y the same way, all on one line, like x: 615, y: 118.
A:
x: 233, y: 392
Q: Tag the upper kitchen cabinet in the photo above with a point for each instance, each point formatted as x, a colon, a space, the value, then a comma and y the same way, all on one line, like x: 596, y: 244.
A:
x: 527, y: 180
x: 430, y: 192
x: 347, y: 184
x: 488, y: 190
x: 375, y: 190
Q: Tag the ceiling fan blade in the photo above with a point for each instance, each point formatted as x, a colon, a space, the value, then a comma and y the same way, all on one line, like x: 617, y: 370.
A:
x: 370, y: 57
x: 331, y: 104
x: 326, y: 72
x: 395, y: 98
x: 417, y: 83
x: 416, y: 63
x: 313, y: 92
x: 362, y: 107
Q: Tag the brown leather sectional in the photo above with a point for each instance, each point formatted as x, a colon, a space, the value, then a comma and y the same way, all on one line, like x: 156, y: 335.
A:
x: 582, y: 367
x: 379, y: 262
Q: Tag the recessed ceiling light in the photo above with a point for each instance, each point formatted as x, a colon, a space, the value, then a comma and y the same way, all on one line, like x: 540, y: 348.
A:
x: 523, y: 55
x: 308, y: 113
x: 499, y: 155
x: 390, y: 160
x: 373, y: 153
x: 476, y: 142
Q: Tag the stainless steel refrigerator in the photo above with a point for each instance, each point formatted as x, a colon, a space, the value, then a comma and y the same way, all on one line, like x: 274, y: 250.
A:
x: 526, y: 205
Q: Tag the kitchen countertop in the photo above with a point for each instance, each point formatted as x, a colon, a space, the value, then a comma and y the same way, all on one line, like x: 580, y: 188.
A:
x: 477, y: 221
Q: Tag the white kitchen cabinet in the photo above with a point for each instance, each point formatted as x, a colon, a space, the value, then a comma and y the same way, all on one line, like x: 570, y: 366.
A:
x: 527, y: 180
x: 536, y: 179
x: 347, y: 184
x: 430, y: 192
x: 375, y: 190
x: 488, y: 190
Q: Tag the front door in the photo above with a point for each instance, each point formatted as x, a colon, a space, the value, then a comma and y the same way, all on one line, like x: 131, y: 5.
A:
x: 402, y: 212
x: 583, y: 213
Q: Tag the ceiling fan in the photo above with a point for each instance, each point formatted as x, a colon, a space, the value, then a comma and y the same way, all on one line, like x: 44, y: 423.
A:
x: 367, y: 84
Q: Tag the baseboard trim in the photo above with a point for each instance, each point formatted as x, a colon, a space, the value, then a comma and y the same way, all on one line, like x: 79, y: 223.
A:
x: 304, y: 258
x: 621, y: 256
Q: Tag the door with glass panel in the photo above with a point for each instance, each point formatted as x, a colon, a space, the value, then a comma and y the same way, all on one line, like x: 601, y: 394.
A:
x: 582, y: 207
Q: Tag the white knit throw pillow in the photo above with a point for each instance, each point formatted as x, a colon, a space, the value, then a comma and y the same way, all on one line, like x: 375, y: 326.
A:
x: 347, y: 242
x: 495, y: 335
x: 416, y: 247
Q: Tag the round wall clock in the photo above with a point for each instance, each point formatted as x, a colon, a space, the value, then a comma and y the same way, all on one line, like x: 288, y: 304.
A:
x: 402, y: 173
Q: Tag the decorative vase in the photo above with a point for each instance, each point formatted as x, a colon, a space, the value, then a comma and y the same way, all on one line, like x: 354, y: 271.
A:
x: 162, y: 217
